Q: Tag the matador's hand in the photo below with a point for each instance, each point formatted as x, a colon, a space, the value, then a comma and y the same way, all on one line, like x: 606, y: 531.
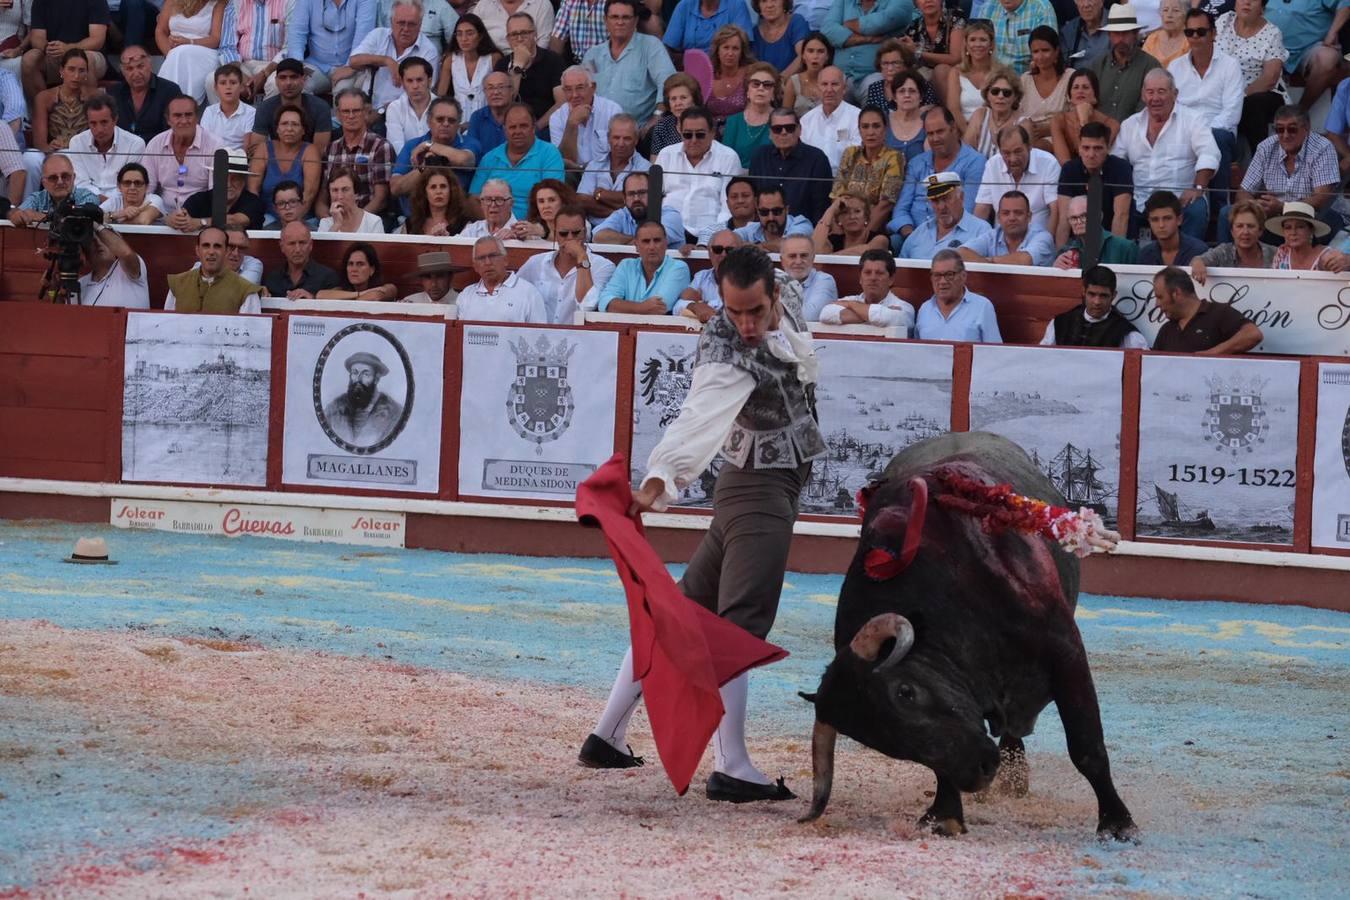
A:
x: 646, y: 497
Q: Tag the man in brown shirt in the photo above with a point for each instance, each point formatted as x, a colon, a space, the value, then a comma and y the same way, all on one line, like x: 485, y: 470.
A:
x: 1198, y: 326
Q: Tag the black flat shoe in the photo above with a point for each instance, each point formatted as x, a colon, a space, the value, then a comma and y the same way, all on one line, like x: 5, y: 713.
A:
x: 734, y: 790
x: 597, y: 753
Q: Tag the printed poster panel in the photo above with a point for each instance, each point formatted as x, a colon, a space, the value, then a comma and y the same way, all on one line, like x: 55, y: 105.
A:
x: 1217, y: 449
x: 196, y: 399
x: 363, y: 404
x: 875, y: 398
x: 537, y: 410
x: 1063, y: 408
x: 1331, y: 462
x: 662, y: 372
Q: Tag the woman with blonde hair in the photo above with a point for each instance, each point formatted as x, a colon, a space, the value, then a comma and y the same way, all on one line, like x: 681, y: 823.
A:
x: 680, y: 92
x: 966, y: 82
x: 188, y: 34
x: 1168, y: 42
x: 730, y: 60
x: 1247, y: 220
x: 1002, y: 98
x: 845, y: 228
x: 748, y: 130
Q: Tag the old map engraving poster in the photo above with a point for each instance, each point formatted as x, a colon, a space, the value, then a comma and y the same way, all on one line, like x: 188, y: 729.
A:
x: 1216, y: 449
x: 1062, y: 407
x: 1331, y: 463
x: 537, y: 410
x: 363, y: 403
x: 196, y: 397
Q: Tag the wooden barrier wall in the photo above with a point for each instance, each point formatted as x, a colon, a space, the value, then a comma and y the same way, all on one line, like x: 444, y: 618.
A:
x: 61, y: 408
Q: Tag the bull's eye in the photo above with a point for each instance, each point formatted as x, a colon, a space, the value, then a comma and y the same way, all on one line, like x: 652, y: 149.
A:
x: 905, y: 692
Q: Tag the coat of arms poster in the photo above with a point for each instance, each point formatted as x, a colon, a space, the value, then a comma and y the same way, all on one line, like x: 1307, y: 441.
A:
x: 363, y: 403
x: 536, y: 410
x: 663, y: 371
x: 1331, y: 463
x: 196, y: 399
x: 1216, y: 449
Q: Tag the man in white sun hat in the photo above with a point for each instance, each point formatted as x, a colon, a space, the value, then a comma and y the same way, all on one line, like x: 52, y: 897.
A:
x: 1121, y: 72
x: 242, y: 206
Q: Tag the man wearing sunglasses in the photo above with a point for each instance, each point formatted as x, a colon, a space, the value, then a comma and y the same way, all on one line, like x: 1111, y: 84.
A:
x: 1293, y: 164
x: 621, y: 226
x: 1210, y: 84
x: 702, y: 299
x: 569, y: 278
x: 58, y: 184
x: 697, y: 171
x: 804, y: 171
x: 775, y: 220
x: 444, y: 141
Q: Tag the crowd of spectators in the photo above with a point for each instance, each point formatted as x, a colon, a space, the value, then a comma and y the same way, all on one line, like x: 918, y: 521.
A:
x: 941, y: 131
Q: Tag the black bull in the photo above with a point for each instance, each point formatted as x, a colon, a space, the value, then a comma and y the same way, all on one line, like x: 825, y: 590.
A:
x: 963, y: 635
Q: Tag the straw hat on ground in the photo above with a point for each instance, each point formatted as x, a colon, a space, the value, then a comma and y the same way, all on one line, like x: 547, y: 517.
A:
x: 91, y: 551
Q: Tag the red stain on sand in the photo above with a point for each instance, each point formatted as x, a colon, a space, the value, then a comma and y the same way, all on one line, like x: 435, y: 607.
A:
x: 201, y: 857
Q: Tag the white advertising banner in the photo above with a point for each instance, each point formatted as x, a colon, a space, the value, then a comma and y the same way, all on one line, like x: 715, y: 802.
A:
x: 292, y: 523
x: 536, y: 410
x: 1217, y: 449
x: 1331, y: 462
x: 663, y: 368
x: 1062, y: 407
x: 196, y: 398
x: 363, y: 403
x: 1299, y: 313
x: 874, y: 399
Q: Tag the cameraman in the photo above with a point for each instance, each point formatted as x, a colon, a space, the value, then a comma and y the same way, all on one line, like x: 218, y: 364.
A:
x: 58, y: 184
x: 118, y: 274
x: 443, y: 141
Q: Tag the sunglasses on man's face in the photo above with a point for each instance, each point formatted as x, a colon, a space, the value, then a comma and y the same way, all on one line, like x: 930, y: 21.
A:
x: 783, y: 129
x: 1287, y: 129
x: 720, y: 248
x: 571, y: 233
x: 771, y: 210
x: 693, y: 135
x: 1195, y: 32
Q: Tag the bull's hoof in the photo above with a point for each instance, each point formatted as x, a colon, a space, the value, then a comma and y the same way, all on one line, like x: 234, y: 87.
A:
x: 1122, y: 830
x: 943, y: 827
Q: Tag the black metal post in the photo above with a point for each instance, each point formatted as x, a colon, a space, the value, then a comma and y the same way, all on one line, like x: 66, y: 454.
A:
x: 1092, y: 238
x: 220, y: 176
x: 654, y: 189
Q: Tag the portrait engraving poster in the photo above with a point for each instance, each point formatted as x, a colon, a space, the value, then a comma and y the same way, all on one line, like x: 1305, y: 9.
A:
x: 1331, y: 461
x: 195, y: 398
x: 1216, y: 449
x: 363, y: 403
x: 537, y: 410
x: 874, y: 399
x: 1063, y: 408
x: 662, y: 371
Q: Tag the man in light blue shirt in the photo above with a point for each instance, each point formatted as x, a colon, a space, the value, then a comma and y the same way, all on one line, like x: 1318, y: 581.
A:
x: 649, y: 284
x: 950, y: 225
x: 887, y: 19
x: 630, y: 68
x: 954, y: 313
x: 1310, y: 29
x: 948, y: 154
x: 322, y: 34
x: 689, y: 29
x: 1014, y: 241
x: 621, y: 226
x: 703, y: 298
x: 1338, y: 125
x: 521, y: 162
x: 818, y: 288
x: 775, y: 220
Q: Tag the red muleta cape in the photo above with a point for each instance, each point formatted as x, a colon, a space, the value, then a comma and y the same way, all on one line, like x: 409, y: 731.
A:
x: 682, y: 652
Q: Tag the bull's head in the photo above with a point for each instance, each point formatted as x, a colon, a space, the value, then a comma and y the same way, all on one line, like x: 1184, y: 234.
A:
x: 885, y: 693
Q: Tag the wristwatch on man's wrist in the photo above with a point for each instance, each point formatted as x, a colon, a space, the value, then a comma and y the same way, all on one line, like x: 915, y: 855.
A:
x: 583, y: 264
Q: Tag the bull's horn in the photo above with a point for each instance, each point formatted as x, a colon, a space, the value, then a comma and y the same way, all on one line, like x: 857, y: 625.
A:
x: 866, y: 644
x: 822, y: 768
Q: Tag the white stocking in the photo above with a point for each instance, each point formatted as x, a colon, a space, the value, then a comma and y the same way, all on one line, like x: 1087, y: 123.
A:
x: 730, y: 757
x: 623, y: 702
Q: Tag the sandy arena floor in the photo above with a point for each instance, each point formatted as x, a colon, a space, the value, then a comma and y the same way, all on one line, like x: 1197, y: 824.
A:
x: 254, y: 718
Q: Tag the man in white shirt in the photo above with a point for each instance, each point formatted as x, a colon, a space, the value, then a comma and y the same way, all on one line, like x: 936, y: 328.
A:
x: 579, y: 128
x: 1168, y: 147
x: 570, y: 278
x: 381, y: 51
x: 406, y: 118
x: 117, y: 275
x: 697, y: 171
x: 497, y: 204
x: 758, y: 369
x: 703, y: 298
x: 1018, y: 165
x: 876, y: 305
x: 1094, y: 323
x: 833, y: 125
x: 433, y: 271
x: 499, y: 295
x: 1210, y: 84
x: 100, y: 152
x: 344, y: 215
x: 229, y: 118
x: 798, y: 257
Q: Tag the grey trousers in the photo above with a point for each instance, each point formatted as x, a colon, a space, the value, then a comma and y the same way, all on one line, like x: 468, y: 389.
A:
x: 737, y: 571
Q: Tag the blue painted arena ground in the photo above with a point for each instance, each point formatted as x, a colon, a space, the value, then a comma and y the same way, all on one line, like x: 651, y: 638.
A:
x: 1231, y: 722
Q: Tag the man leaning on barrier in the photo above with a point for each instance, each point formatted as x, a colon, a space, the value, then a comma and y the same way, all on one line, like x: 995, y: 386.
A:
x: 301, y: 277
x: 954, y: 313
x: 213, y: 288
x: 650, y: 283
x: 1198, y: 326
x: 58, y: 185
x: 569, y: 278
x: 1094, y: 322
x: 877, y: 304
